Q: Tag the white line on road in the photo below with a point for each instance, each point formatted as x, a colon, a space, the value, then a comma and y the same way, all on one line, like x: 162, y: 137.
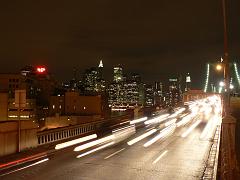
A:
x: 163, y: 154
x: 114, y: 153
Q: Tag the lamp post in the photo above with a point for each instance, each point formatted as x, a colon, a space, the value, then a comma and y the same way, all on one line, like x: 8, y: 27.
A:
x: 226, y: 62
x: 227, y: 143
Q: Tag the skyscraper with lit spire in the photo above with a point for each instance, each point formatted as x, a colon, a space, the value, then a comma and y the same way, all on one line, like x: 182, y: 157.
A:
x: 188, y: 82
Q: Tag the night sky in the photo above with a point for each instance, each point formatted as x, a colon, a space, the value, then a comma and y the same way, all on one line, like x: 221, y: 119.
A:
x: 157, y: 39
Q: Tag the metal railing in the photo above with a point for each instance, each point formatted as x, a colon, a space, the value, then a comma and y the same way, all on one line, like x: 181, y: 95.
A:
x: 210, y: 171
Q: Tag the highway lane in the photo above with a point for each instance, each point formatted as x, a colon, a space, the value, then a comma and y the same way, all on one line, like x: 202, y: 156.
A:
x: 172, y: 157
x: 184, y: 159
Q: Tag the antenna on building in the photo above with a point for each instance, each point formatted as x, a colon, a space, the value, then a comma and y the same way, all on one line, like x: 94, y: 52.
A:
x: 100, y: 63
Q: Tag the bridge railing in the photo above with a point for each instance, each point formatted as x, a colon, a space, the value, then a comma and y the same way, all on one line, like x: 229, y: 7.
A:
x: 210, y: 171
x: 58, y: 134
x: 53, y: 135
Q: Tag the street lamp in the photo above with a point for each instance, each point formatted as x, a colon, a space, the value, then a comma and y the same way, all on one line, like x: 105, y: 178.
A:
x: 225, y: 62
x: 219, y: 67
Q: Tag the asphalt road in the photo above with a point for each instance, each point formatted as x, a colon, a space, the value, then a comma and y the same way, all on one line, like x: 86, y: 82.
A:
x: 173, y: 157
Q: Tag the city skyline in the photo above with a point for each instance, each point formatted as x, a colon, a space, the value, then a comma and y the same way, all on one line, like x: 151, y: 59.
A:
x: 148, y: 38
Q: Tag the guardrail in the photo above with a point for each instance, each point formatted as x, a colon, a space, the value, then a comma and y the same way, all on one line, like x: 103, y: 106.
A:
x: 210, y: 171
x: 53, y: 135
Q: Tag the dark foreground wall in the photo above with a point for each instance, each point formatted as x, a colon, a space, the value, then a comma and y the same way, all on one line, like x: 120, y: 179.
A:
x: 235, y: 107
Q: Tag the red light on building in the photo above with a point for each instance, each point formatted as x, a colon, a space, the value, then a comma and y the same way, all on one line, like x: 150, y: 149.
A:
x: 41, y: 69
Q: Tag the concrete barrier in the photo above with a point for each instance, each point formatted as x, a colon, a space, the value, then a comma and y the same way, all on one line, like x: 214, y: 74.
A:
x: 9, y: 138
x: 229, y: 169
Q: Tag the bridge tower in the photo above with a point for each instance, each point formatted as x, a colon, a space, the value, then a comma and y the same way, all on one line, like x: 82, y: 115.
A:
x: 211, y: 85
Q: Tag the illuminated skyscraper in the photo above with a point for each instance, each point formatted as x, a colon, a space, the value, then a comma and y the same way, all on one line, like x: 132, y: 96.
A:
x: 188, y: 82
x: 149, y: 96
x: 93, y: 79
x: 118, y: 74
x: 158, y: 94
x: 174, y: 94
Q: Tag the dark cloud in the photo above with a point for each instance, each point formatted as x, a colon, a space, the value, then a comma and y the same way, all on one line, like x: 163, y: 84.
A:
x: 155, y: 38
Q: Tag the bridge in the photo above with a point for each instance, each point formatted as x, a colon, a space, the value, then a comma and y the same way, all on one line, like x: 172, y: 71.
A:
x: 185, y: 144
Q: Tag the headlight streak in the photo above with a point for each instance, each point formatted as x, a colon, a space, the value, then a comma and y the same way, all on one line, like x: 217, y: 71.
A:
x: 96, y: 149
x: 177, y: 113
x: 123, y: 129
x: 209, y: 129
x: 36, y: 163
x: 206, y: 129
x: 93, y: 143
x: 170, y: 122
x: 157, y: 119
x: 139, y: 138
x: 160, y: 157
x: 75, y: 141
x: 138, y: 120
x: 185, y: 120
x: 150, y: 128
x: 183, y: 115
x: 163, y: 133
x: 191, y: 128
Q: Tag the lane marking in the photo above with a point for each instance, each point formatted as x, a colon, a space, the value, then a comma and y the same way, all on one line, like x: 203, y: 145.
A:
x: 163, y: 154
x: 111, y: 155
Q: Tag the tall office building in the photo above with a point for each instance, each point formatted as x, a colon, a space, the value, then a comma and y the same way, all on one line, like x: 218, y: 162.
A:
x: 158, y: 94
x: 188, y: 82
x: 149, y: 96
x: 174, y: 93
x: 93, y: 79
x: 118, y: 74
x: 125, y: 93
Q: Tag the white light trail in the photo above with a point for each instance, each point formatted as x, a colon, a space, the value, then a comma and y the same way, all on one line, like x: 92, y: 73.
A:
x: 124, y: 122
x: 36, y: 163
x: 160, y: 157
x: 183, y: 115
x: 93, y: 143
x: 191, y: 128
x: 177, y: 112
x: 149, y: 128
x: 166, y: 131
x: 111, y: 155
x: 139, y: 138
x: 184, y: 120
x: 75, y: 141
x: 138, y: 120
x: 157, y: 119
x: 96, y: 149
x: 170, y: 122
x: 210, y: 127
x: 207, y: 110
x: 123, y: 128
x: 206, y: 129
